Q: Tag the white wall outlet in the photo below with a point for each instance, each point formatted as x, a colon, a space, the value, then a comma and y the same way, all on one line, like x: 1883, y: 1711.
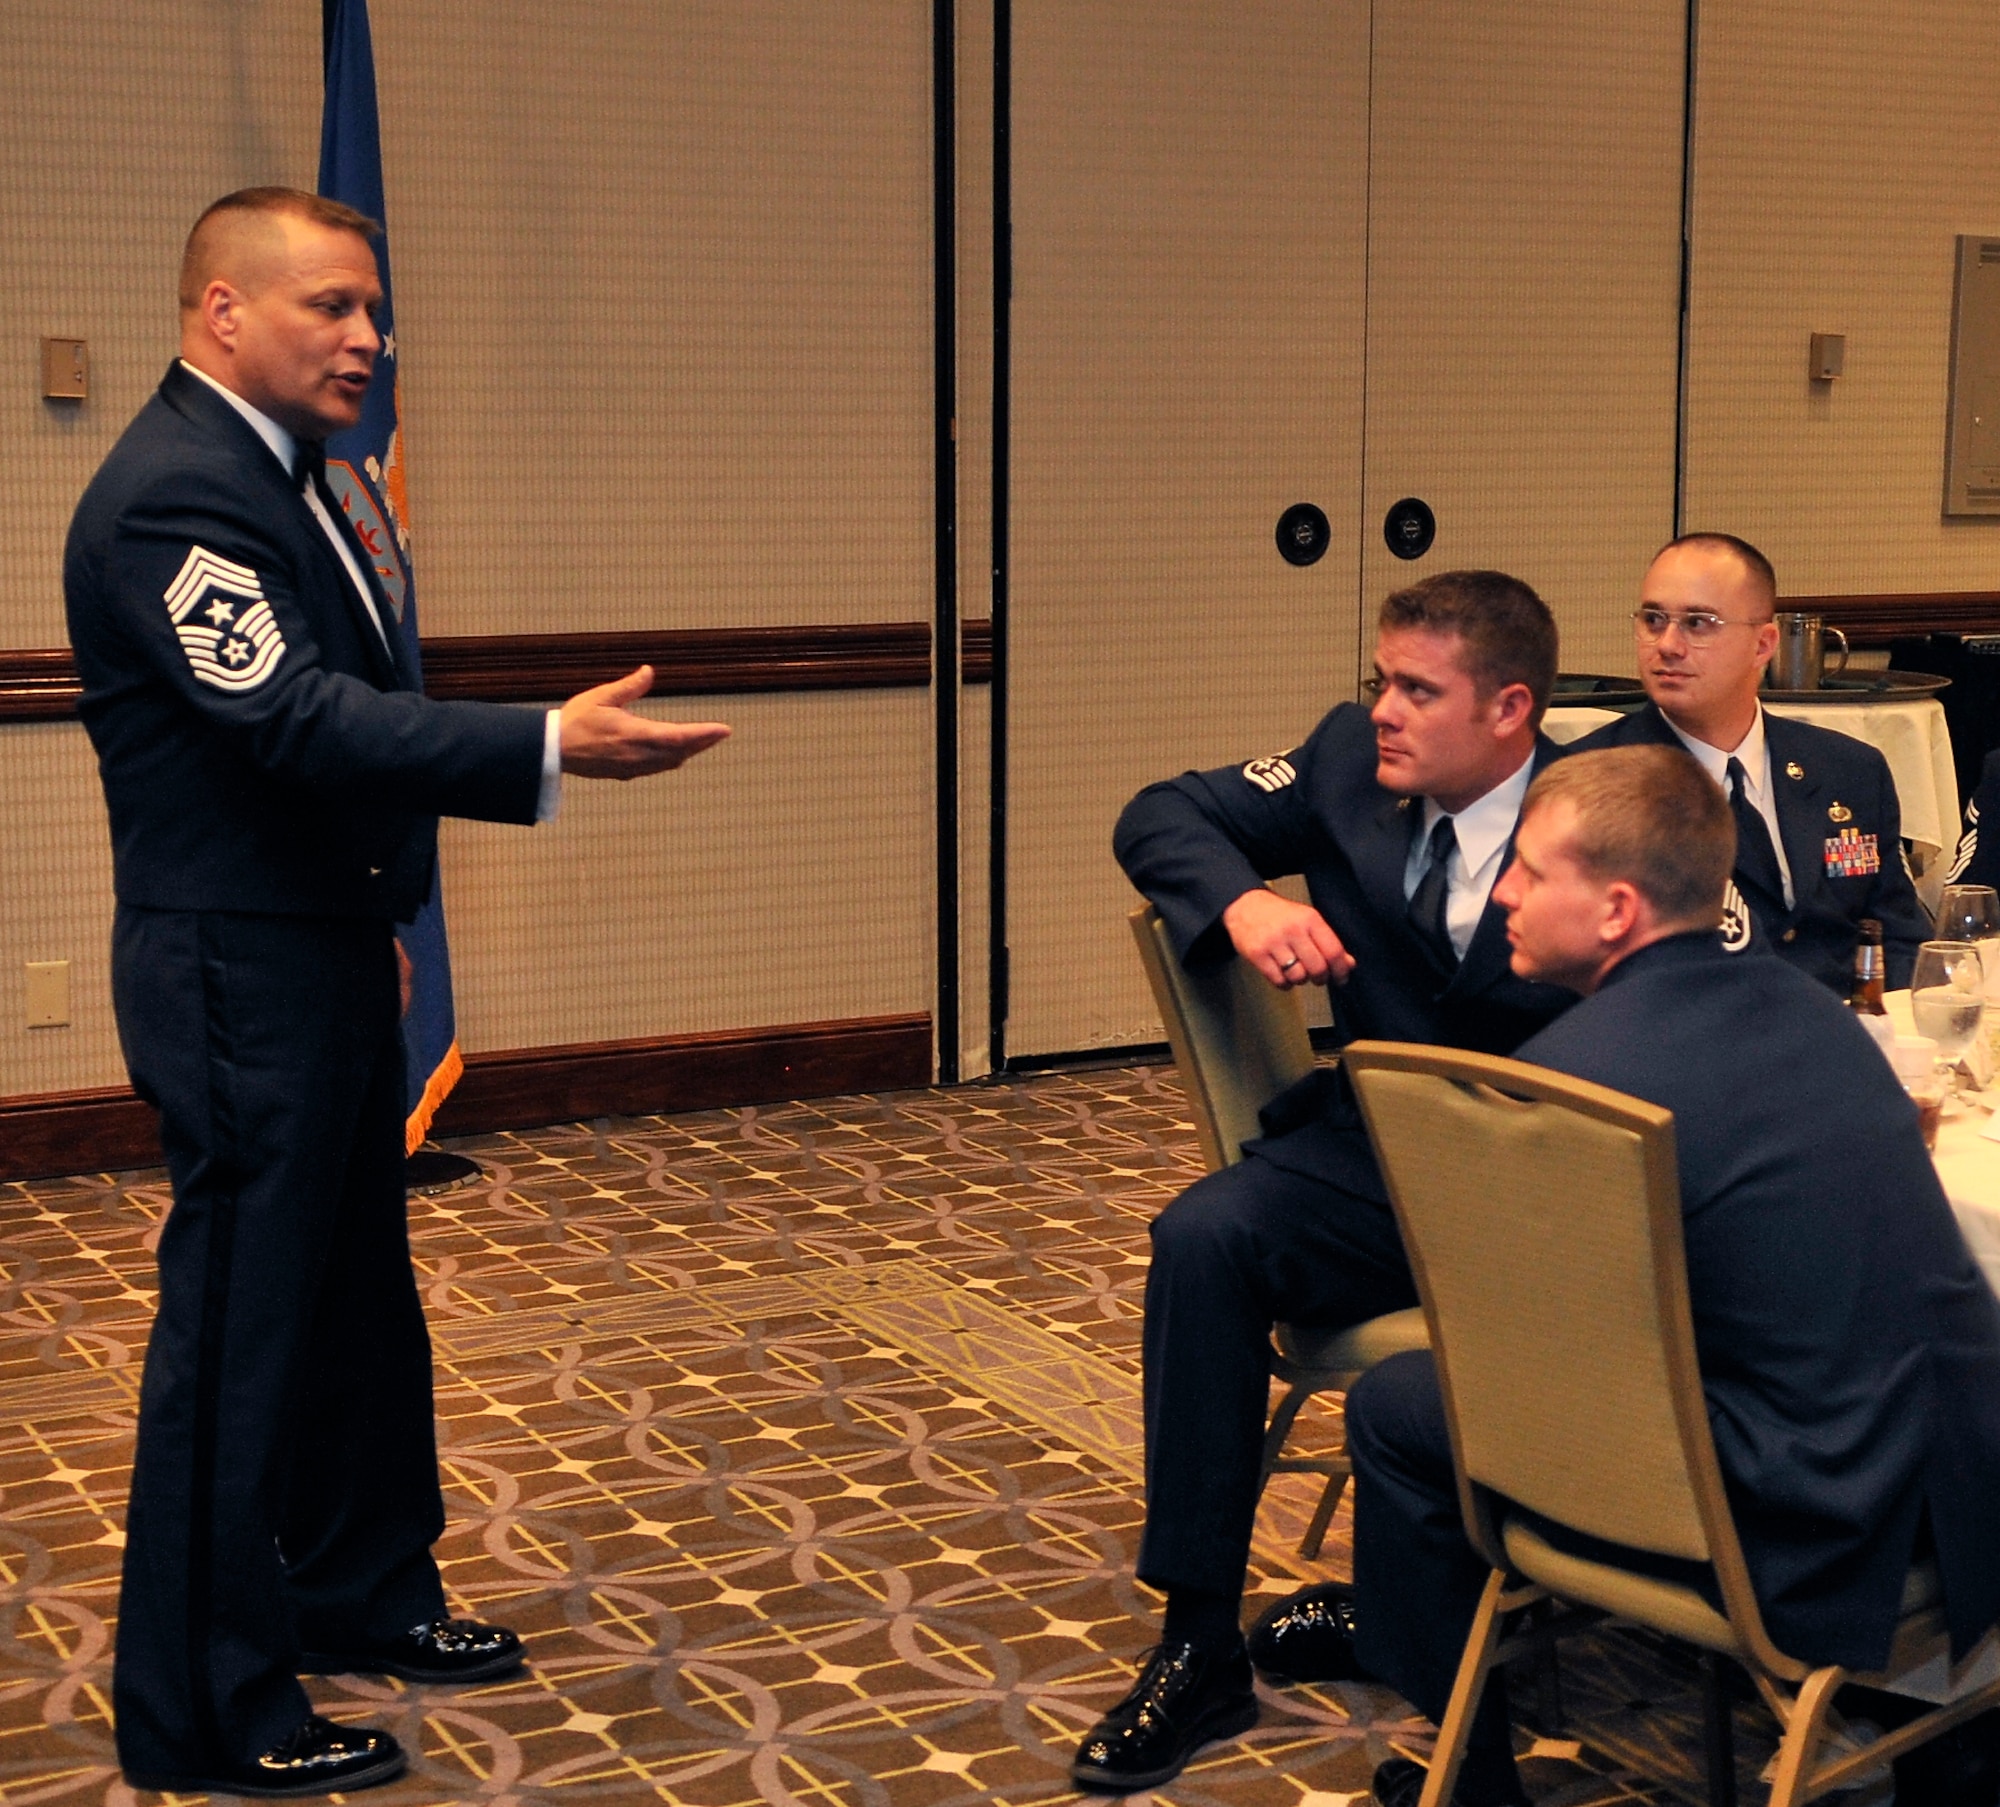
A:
x: 48, y: 993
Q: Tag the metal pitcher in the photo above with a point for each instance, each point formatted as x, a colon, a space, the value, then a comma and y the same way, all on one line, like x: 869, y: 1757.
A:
x: 1800, y: 661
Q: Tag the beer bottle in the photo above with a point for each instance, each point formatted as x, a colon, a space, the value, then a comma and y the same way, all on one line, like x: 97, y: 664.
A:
x: 1866, y: 995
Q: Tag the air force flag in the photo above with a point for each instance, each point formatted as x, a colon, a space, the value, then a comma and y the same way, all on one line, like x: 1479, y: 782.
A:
x: 364, y: 469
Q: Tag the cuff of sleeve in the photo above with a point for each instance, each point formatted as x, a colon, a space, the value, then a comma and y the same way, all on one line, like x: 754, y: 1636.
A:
x: 550, y: 800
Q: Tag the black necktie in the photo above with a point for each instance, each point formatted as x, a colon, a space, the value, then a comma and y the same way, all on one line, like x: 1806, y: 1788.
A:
x: 1757, y: 869
x: 309, y: 465
x: 1433, y: 892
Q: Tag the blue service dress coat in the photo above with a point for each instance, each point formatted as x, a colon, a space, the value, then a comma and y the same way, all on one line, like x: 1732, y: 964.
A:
x: 274, y: 780
x: 1842, y: 828
x: 261, y: 749
x: 1849, y: 1347
x: 1196, y: 843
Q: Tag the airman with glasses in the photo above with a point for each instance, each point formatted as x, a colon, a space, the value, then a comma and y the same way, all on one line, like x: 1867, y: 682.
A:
x: 1819, y: 831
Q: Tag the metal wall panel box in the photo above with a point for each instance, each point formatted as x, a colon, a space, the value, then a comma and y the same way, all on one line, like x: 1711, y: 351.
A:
x: 1972, y: 441
x: 1826, y: 356
x: 65, y: 370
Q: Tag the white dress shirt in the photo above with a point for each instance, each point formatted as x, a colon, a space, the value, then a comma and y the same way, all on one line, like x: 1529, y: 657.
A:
x: 1755, y: 752
x: 285, y: 448
x: 1483, y: 829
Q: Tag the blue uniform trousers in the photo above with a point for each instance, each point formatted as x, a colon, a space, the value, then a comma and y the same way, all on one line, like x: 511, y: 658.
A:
x: 284, y: 1490
x: 1241, y: 1249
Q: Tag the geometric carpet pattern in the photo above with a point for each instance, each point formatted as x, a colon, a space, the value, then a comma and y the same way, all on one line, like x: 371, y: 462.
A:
x: 801, y: 1444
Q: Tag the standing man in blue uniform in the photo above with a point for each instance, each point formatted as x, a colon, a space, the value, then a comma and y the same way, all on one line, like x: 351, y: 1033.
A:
x: 1819, y: 829
x: 1849, y: 1348
x: 274, y: 779
x: 1400, y: 817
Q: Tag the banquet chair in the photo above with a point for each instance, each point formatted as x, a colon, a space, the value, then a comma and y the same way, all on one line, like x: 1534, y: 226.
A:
x: 1237, y: 1042
x: 1542, y: 1218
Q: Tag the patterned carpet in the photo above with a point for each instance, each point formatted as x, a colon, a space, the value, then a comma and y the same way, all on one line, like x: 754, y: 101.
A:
x: 802, y: 1446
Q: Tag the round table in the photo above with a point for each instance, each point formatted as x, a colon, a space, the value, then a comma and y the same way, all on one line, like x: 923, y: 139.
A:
x: 1967, y: 1159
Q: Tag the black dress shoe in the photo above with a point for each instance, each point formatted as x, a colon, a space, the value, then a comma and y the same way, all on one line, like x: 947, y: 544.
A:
x: 319, y: 1758
x: 445, y: 1650
x: 1307, y: 1638
x: 1186, y: 1696
x: 1400, y: 1783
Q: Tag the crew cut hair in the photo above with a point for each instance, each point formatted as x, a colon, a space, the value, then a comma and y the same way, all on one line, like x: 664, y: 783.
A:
x: 1762, y: 576
x: 1508, y: 634
x: 204, y: 240
x: 1652, y: 817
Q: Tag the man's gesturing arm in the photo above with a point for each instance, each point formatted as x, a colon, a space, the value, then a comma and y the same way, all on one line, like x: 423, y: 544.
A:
x: 602, y: 738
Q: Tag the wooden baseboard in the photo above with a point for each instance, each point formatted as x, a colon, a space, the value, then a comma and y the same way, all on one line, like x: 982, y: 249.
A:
x: 110, y: 1129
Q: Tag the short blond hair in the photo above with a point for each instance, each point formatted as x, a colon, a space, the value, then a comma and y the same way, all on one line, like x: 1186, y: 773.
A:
x: 222, y: 221
x: 1652, y: 817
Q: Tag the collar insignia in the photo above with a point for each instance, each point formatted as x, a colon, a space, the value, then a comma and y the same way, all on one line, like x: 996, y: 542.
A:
x: 1793, y: 769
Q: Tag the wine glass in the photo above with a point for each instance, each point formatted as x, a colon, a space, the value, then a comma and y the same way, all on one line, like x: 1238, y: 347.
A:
x: 1947, y: 994
x: 1968, y: 913
x: 1972, y: 913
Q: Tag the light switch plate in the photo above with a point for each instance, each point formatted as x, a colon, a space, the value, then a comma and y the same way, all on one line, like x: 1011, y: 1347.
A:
x: 47, y: 993
x: 65, y: 370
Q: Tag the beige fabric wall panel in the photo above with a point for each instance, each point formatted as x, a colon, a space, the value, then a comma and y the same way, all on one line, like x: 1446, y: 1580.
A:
x: 784, y: 877
x: 119, y: 121
x: 1523, y: 297
x: 1840, y: 147
x: 1189, y: 191
x: 55, y: 904
x: 974, y: 223
x: 663, y: 286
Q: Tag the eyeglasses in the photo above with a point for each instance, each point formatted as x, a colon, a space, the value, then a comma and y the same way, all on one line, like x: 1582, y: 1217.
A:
x: 1697, y: 626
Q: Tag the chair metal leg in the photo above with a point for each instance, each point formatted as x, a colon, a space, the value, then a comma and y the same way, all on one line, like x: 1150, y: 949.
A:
x: 1717, y: 1729
x: 1481, y: 1645
x: 1548, y: 1669
x: 1329, y: 1504
x: 1280, y: 1427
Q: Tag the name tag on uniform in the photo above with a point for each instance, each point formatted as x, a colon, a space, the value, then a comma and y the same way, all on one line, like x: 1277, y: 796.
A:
x: 1852, y: 854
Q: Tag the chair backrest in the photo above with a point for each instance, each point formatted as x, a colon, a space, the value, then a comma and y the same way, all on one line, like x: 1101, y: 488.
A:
x: 1542, y: 1218
x: 1237, y: 1039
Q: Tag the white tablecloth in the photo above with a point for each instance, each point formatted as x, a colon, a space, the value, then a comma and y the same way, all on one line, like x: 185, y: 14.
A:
x: 1968, y: 1166
x: 1909, y: 733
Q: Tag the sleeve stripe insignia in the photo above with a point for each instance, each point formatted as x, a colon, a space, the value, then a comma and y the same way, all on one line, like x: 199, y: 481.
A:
x: 225, y: 626
x: 1968, y: 843
x: 1271, y: 774
x: 1736, y: 924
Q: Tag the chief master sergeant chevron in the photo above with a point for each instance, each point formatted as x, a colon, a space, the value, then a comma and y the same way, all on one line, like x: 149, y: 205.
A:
x: 274, y: 779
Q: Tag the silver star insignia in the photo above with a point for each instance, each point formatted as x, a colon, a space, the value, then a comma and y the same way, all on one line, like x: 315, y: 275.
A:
x: 237, y: 652
x: 220, y: 612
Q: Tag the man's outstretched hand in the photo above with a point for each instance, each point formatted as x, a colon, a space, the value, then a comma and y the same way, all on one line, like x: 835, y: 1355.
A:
x: 602, y: 738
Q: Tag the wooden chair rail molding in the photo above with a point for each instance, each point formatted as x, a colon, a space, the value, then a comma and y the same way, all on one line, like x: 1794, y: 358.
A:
x: 39, y: 684
x: 1876, y: 620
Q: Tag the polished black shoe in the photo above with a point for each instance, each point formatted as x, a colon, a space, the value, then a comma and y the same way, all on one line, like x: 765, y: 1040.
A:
x: 1400, y: 1783
x: 1186, y: 1696
x: 1308, y: 1637
x: 445, y: 1650
x: 319, y: 1758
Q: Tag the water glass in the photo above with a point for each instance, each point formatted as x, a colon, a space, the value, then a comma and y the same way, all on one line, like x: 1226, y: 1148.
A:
x: 1947, y: 995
